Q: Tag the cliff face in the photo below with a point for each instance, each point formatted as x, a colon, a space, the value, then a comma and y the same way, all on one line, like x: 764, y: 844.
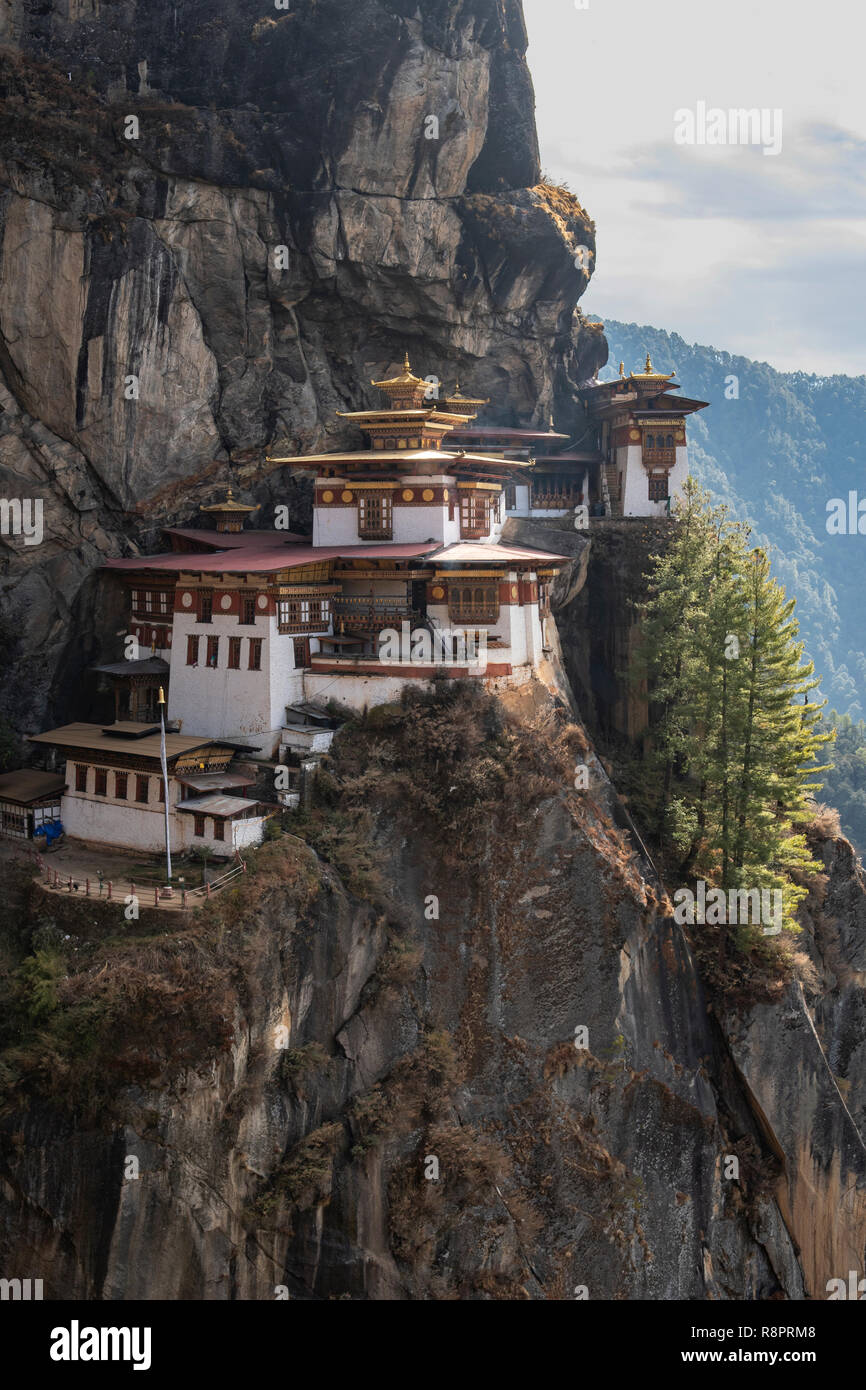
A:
x: 277, y: 231
x: 368, y: 1077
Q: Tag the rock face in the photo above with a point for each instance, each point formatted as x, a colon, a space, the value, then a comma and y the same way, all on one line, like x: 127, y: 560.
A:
x: 519, y: 1094
x: 216, y: 228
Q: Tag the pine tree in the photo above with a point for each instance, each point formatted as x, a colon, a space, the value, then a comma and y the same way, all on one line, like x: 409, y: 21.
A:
x: 735, y: 736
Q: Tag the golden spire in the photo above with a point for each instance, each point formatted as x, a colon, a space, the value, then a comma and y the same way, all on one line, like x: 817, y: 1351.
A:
x: 649, y: 366
x: 622, y: 369
x: 406, y: 368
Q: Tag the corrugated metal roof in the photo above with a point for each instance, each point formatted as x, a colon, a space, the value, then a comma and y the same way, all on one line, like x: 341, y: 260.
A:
x: 471, y: 552
x: 236, y: 540
x: 93, y: 738
x: 265, y: 559
x: 148, y: 666
x: 28, y: 784
x: 216, y: 805
x: 214, y: 781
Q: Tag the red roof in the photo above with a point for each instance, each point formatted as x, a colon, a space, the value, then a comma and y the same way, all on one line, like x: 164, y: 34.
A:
x: 263, y: 557
x: 231, y: 540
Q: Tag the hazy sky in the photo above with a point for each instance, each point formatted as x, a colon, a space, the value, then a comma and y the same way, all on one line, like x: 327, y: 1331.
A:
x: 759, y: 254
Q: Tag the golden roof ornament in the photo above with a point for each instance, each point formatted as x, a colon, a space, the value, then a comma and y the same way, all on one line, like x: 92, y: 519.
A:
x: 229, y: 514
x: 459, y: 399
x: 622, y: 369
x: 405, y: 378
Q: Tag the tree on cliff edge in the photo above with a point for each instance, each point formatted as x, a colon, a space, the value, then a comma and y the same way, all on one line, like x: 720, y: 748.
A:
x: 733, y: 739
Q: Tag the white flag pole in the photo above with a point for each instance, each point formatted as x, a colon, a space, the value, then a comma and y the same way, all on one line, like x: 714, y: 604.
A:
x: 164, y: 764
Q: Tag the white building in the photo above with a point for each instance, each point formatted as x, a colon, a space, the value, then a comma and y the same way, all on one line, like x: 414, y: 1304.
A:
x: 115, y: 791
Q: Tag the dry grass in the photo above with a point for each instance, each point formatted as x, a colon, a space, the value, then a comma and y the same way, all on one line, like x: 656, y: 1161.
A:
x: 825, y: 823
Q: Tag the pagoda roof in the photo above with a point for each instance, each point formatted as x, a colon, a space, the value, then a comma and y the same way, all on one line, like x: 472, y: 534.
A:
x: 397, y: 415
x: 440, y: 456
x: 228, y: 505
x: 465, y: 400
x: 405, y: 378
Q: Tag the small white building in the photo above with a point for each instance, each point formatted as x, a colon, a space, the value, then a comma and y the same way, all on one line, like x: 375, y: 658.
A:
x: 642, y: 436
x: 115, y: 790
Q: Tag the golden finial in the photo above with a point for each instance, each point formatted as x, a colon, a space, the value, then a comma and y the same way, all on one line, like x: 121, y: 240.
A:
x: 622, y: 369
x: 406, y: 367
x: 649, y: 366
x: 552, y: 427
x: 229, y: 494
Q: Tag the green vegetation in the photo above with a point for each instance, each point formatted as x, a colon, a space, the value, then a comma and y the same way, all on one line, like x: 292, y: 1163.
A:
x: 845, y: 781
x: 734, y: 736
x: 776, y: 453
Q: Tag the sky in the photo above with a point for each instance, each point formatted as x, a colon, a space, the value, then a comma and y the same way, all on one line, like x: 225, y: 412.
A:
x: 758, y: 254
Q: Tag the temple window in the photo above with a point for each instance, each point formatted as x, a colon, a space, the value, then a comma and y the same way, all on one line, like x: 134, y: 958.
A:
x: 474, y: 514
x: 120, y: 784
x: 213, y: 650
x: 142, y: 789
x: 81, y: 777
x: 510, y: 497
x: 650, y: 441
x: 255, y: 661
x: 475, y: 603
x: 192, y: 651
x: 303, y: 614
x: 100, y: 784
x: 205, y: 605
x: 248, y: 608
x: 219, y: 829
x: 234, y: 653
x: 375, y: 515
x: 198, y: 825
x: 658, y: 489
x: 669, y: 442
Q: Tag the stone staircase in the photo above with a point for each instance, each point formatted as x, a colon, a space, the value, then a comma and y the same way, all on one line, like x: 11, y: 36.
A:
x: 610, y: 489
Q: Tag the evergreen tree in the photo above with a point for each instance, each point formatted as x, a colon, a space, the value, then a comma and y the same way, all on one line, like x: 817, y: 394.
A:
x: 734, y: 735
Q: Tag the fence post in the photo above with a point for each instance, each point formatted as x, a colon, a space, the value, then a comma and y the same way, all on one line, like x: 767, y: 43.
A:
x: 156, y: 897
x: 183, y: 897
x: 208, y: 889
x: 109, y: 890
x: 87, y: 887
